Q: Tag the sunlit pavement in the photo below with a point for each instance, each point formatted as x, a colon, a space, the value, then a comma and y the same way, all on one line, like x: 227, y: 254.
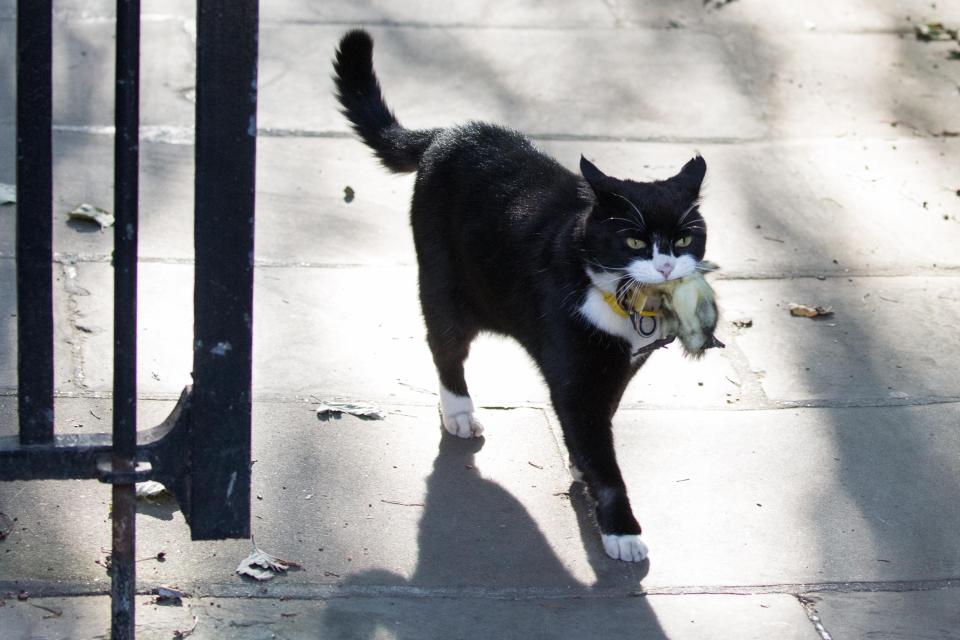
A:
x: 802, y: 483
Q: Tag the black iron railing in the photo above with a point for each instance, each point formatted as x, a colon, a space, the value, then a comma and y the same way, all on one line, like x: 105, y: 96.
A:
x: 201, y: 452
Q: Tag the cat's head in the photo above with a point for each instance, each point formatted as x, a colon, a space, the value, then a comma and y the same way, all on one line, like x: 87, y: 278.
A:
x: 644, y: 232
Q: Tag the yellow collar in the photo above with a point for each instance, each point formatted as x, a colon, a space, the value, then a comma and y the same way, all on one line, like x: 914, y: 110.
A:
x: 639, y: 302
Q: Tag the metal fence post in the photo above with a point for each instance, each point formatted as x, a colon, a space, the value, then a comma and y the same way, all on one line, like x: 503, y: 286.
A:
x: 34, y: 221
x: 223, y: 291
x: 126, y: 190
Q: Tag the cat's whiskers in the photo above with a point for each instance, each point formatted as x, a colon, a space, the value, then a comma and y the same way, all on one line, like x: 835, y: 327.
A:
x: 686, y: 213
x: 598, y: 265
x: 642, y: 220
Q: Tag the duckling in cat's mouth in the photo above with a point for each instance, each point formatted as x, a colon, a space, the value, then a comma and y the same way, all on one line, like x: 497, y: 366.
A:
x: 687, y: 309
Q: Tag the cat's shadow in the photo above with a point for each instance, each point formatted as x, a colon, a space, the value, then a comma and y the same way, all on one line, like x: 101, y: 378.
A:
x: 479, y: 549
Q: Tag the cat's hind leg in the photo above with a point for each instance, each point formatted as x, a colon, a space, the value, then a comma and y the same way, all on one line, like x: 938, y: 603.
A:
x: 450, y: 344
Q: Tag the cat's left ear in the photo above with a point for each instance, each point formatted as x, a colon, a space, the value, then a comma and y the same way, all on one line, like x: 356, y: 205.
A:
x: 594, y: 176
x: 691, y: 176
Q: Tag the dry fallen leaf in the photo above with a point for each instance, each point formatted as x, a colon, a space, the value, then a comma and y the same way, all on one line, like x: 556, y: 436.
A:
x: 150, y: 489
x: 335, y: 410
x: 743, y: 323
x: 90, y: 213
x: 934, y: 31
x: 6, y: 525
x: 169, y: 594
x: 804, y: 311
x: 262, y: 566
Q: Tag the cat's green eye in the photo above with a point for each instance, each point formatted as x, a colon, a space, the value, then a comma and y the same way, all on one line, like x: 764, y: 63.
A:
x: 636, y: 243
x: 683, y: 241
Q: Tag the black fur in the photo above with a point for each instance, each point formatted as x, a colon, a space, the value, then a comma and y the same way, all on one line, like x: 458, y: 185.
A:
x: 504, y: 235
x: 359, y: 92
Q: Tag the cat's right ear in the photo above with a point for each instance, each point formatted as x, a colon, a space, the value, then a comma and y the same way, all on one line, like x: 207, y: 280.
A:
x: 594, y: 176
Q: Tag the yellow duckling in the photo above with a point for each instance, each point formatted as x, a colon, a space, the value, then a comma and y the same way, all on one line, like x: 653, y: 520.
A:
x: 688, y: 306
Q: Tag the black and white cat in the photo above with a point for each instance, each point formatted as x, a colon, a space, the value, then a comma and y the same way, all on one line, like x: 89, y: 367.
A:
x: 509, y: 241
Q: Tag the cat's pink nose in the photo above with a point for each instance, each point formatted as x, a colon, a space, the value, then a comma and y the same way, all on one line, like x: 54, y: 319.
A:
x: 665, y: 270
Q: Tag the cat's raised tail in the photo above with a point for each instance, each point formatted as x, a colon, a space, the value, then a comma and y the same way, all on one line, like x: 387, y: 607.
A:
x: 358, y: 90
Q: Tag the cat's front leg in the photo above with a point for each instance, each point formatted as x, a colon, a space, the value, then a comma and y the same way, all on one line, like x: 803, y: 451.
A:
x: 589, y: 438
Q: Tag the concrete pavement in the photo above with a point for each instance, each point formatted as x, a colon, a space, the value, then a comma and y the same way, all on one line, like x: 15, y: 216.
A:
x: 802, y: 483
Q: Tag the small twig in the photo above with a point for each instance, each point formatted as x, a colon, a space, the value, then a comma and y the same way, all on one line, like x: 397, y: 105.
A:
x: 54, y: 613
x: 773, y: 239
x: 186, y: 632
x: 534, y: 465
x: 402, y: 504
x: 95, y: 415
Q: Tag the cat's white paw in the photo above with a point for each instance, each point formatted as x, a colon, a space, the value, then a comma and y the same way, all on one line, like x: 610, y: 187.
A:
x: 629, y: 548
x: 456, y: 412
x: 463, y: 425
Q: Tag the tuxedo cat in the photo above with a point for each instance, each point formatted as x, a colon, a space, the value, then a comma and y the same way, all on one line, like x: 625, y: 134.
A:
x: 509, y: 241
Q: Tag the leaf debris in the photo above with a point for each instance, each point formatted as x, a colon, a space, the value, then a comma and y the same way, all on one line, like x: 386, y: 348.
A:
x: 262, y: 566
x: 89, y: 213
x: 934, y: 31
x: 150, y: 489
x: 804, y: 311
x: 170, y: 595
x: 335, y: 410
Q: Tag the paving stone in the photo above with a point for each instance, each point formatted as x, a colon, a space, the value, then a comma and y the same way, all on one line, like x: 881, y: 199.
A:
x: 815, y: 15
x: 869, y: 350
x: 358, y: 503
x: 8, y: 324
x: 8, y: 228
x: 820, y: 16
x: 794, y: 496
x: 778, y: 209
x: 765, y: 218
x: 302, y: 215
x: 308, y: 320
x: 64, y: 335
x: 83, y: 69
x: 796, y: 84
x: 762, y: 72
x: 923, y: 615
x: 84, y: 415
x: 321, y: 331
x: 705, y: 617
x: 726, y: 498
x: 563, y: 14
